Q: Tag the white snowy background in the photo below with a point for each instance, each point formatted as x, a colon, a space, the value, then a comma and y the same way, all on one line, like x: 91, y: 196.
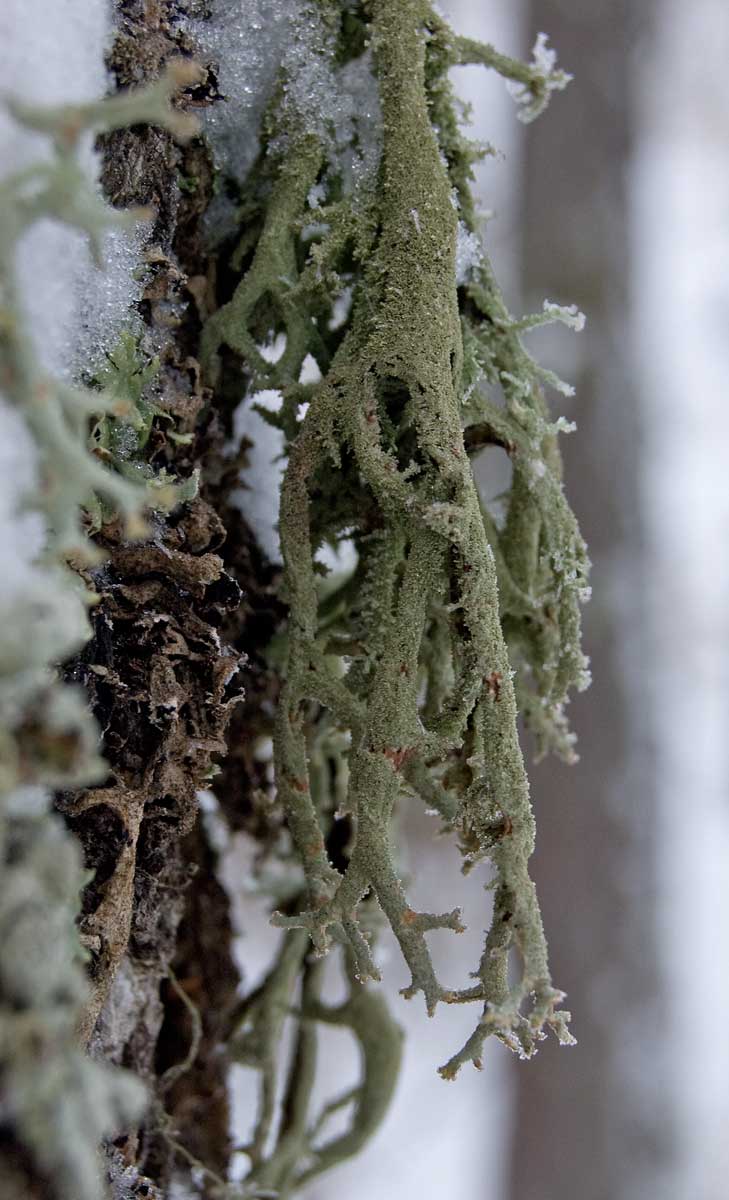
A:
x: 454, y: 1139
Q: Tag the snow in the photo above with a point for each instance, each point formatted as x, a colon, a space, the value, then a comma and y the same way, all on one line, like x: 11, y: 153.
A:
x: 51, y: 54
x: 254, y: 41
x: 258, y: 497
x: 107, y: 295
x: 358, y: 123
x: 341, y: 105
x: 246, y: 40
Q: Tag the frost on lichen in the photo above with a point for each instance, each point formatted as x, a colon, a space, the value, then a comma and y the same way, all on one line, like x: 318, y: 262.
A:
x: 57, y: 1104
x: 418, y: 658
x: 531, y: 84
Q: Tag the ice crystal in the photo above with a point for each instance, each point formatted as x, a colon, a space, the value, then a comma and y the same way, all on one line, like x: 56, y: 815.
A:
x: 246, y: 40
x: 533, y: 96
x: 468, y: 253
x: 256, y: 44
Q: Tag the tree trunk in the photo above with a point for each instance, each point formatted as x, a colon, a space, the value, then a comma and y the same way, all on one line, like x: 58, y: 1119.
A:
x: 592, y: 1123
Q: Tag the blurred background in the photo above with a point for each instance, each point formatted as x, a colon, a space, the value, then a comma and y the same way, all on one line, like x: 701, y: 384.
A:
x: 617, y: 199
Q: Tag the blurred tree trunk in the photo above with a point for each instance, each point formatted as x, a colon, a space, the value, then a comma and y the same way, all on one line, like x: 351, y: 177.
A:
x: 589, y: 1123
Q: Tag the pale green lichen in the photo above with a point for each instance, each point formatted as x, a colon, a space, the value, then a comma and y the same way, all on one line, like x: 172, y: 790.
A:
x: 57, y: 1104
x: 414, y: 660
x: 298, y: 1153
x: 120, y: 435
x: 56, y: 412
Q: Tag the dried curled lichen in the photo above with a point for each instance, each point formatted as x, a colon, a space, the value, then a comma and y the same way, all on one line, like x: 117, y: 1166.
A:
x: 419, y: 657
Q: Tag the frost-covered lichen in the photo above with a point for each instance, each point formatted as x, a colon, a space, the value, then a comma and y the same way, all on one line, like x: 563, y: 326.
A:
x: 57, y: 1104
x: 420, y: 657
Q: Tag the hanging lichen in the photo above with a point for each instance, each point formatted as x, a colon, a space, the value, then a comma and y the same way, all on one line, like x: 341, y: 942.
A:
x: 419, y: 658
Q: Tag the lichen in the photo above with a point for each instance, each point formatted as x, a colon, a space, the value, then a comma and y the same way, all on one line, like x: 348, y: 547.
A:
x: 447, y: 623
x: 298, y: 1153
x: 57, y: 1103
x: 120, y: 435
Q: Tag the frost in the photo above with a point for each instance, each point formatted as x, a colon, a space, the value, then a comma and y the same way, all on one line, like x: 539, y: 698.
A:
x: 554, y: 381
x: 108, y: 295
x: 568, y: 314
x: 544, y: 58
x: 565, y: 314
x: 584, y: 678
x: 468, y: 253
x: 533, y: 97
x: 521, y: 386
x: 562, y: 425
